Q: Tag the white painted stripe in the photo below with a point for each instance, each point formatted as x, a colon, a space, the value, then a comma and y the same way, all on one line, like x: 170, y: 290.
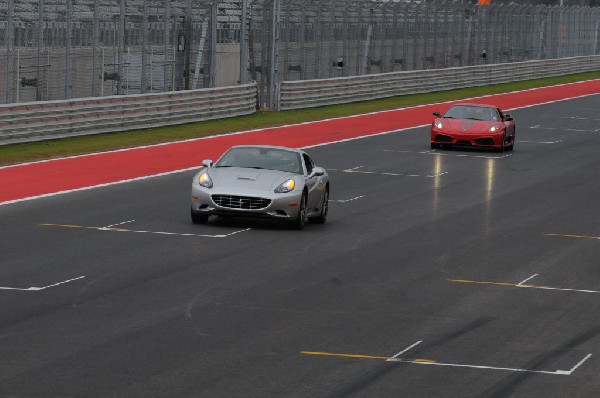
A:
x: 347, y: 200
x: 579, y: 363
x: 557, y: 289
x: 525, y: 280
x: 458, y: 155
x: 121, y: 223
x: 36, y: 289
x: 48, y: 195
x: 540, y: 142
x: 406, y: 350
x: 457, y: 365
x: 355, y: 171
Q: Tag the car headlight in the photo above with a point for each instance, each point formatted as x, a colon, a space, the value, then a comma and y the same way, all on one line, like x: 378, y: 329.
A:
x: 493, y: 129
x: 286, y: 186
x: 205, y: 180
x: 438, y: 124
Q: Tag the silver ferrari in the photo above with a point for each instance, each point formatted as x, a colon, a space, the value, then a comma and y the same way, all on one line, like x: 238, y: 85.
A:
x: 261, y: 181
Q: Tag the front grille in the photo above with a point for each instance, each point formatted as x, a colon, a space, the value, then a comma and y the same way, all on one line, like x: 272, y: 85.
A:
x: 484, y: 141
x: 442, y: 138
x: 241, y: 202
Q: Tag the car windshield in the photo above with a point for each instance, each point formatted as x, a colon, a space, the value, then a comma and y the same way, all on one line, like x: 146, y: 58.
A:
x: 472, y: 112
x: 261, y: 158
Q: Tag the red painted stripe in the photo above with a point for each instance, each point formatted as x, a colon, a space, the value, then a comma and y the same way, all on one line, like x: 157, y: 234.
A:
x: 30, y: 180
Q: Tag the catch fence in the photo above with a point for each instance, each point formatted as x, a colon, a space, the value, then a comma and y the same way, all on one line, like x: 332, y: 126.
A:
x: 63, y: 49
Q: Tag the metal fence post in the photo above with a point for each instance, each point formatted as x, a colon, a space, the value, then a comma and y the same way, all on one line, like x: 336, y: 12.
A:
x: 144, y: 58
x: 244, y: 44
x: 68, y: 43
x: 9, y: 39
x: 121, y: 50
x: 273, y: 58
x: 95, y: 51
x: 213, y: 44
x: 40, y: 48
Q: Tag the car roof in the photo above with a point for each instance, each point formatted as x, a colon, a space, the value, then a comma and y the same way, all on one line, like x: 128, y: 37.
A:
x: 476, y: 105
x: 283, y: 148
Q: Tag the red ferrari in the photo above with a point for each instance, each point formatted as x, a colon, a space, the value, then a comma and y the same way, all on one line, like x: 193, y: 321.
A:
x: 473, y: 125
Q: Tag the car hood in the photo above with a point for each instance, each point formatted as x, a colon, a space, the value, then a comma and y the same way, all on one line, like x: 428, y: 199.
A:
x: 240, y: 178
x: 467, y: 125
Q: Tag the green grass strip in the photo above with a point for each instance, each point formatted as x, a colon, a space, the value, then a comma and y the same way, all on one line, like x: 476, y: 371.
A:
x: 27, y: 152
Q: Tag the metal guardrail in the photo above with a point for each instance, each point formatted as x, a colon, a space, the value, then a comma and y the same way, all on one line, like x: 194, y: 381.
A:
x: 38, y: 121
x: 314, y: 93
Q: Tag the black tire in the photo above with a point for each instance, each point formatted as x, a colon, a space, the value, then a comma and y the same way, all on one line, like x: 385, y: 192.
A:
x: 512, y: 143
x: 321, y: 218
x: 503, y: 146
x: 199, y: 218
x: 301, y: 220
x: 435, y: 146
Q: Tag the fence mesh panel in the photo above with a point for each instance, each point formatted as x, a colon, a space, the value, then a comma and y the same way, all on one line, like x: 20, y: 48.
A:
x: 61, y: 49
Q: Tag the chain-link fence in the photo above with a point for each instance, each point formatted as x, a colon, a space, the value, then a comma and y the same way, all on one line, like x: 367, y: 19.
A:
x: 313, y: 39
x: 61, y: 49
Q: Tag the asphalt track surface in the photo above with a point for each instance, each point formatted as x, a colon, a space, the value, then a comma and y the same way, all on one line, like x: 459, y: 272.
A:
x: 451, y: 273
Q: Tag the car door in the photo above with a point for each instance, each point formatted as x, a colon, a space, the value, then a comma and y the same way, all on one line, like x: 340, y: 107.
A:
x: 312, y: 183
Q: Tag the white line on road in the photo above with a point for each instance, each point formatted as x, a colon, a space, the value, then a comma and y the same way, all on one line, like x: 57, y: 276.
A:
x: 36, y: 289
x: 458, y: 155
x: 406, y: 350
x: 347, y: 200
x: 540, y: 142
x: 354, y: 170
x: 556, y: 372
x: 525, y: 280
x: 144, y: 232
x: 121, y: 223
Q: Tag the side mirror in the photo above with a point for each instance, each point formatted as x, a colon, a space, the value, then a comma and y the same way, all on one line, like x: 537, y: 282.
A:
x: 207, y: 163
x: 437, y: 114
x: 317, y: 172
x: 507, y: 117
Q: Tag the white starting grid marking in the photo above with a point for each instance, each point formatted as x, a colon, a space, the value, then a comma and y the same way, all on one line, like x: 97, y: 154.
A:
x: 112, y: 229
x: 121, y: 223
x: 540, y: 142
x: 346, y: 200
x: 458, y: 155
x: 420, y: 361
x: 538, y: 127
x: 458, y: 365
x: 355, y: 170
x: 37, y: 289
x: 523, y: 285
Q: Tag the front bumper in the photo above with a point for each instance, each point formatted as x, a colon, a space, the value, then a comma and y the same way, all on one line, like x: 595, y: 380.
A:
x: 483, y: 140
x: 229, y: 202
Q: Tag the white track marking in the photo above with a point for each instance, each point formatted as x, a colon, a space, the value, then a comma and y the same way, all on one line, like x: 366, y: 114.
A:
x: 406, y: 350
x: 458, y: 155
x: 121, y: 223
x: 347, y: 200
x: 36, y: 289
x: 355, y: 170
x: 566, y: 129
x: 525, y: 280
x: 540, y: 142
x: 579, y: 364
x: 457, y: 365
x: 143, y: 231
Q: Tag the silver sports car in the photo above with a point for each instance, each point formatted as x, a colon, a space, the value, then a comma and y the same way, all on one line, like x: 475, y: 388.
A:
x: 261, y: 181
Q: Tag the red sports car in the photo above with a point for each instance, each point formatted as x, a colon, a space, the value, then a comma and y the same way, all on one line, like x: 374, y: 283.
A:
x: 473, y: 125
